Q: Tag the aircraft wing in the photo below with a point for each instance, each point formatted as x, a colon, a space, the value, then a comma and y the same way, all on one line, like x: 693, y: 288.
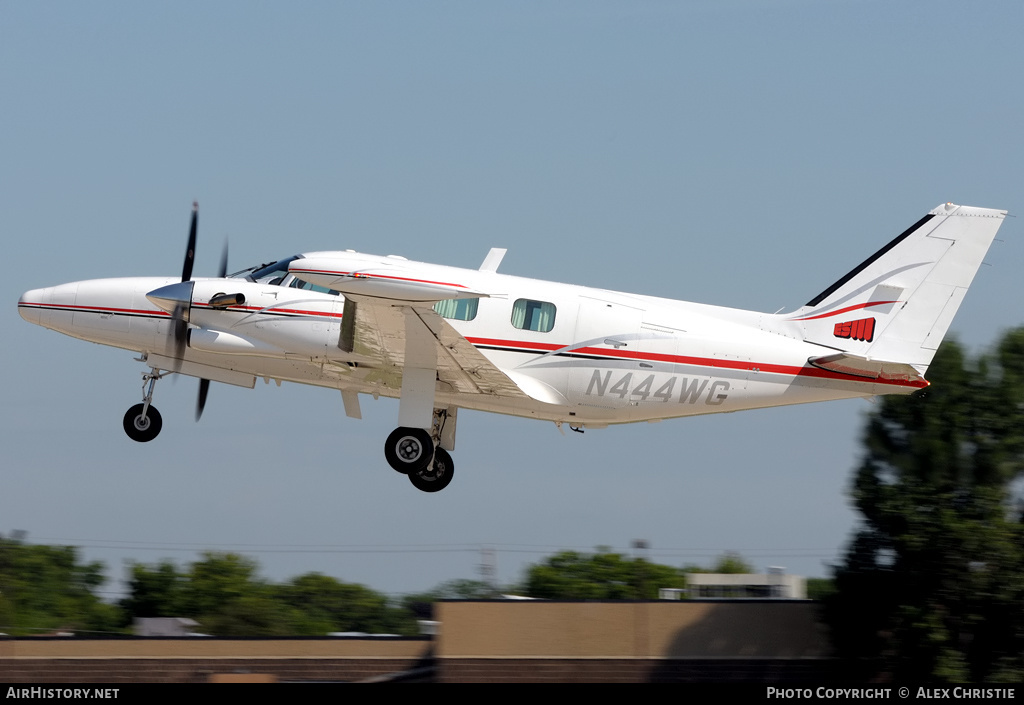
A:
x: 405, y: 335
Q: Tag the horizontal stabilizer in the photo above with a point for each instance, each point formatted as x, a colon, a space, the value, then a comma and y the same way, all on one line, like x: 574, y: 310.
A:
x: 849, y: 364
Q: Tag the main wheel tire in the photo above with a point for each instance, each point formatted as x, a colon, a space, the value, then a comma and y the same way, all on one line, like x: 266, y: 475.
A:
x: 409, y: 449
x: 436, y: 477
x: 142, y: 428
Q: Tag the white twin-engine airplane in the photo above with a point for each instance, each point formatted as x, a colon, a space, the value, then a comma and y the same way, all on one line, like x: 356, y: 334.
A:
x: 441, y: 338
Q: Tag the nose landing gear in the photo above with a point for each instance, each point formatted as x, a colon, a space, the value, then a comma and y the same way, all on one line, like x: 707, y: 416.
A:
x: 142, y: 422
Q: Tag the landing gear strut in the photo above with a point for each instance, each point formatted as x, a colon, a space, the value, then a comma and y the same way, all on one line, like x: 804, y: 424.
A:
x: 142, y: 422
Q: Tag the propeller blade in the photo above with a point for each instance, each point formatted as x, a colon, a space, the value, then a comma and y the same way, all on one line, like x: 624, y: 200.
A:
x: 179, y: 334
x: 190, y: 252
x: 175, y: 299
x: 223, y: 271
x: 204, y: 388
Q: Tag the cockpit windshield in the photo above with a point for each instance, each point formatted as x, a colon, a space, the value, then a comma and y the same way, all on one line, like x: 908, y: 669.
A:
x: 269, y: 273
x: 277, y: 274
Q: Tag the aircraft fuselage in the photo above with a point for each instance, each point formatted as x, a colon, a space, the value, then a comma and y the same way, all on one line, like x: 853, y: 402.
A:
x: 609, y: 357
x: 442, y: 338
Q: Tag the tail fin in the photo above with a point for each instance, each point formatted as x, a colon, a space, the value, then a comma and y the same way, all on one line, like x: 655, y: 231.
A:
x: 898, y: 304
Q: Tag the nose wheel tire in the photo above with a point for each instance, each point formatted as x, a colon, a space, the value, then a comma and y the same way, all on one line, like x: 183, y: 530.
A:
x: 435, y: 477
x: 142, y: 428
x: 409, y: 449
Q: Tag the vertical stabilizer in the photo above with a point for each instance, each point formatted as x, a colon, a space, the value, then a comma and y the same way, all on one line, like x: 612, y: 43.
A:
x: 897, y: 305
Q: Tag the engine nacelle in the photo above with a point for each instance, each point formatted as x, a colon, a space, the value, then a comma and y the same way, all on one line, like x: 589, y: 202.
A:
x: 223, y: 343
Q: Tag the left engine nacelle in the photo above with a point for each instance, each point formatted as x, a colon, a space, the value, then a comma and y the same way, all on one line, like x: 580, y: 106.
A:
x: 217, y: 341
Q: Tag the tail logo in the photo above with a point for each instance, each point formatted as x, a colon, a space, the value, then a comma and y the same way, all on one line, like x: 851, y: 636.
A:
x: 861, y: 329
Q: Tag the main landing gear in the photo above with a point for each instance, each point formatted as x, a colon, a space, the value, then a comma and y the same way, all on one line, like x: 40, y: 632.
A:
x: 142, y: 422
x: 409, y: 449
x: 416, y: 452
x: 437, y: 476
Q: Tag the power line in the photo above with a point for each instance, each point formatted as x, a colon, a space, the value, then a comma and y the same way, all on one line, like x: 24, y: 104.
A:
x: 261, y: 548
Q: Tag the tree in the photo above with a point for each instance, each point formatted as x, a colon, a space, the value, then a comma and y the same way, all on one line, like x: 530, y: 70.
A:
x: 154, y: 592
x: 224, y: 593
x: 45, y: 589
x: 324, y: 604
x: 462, y: 589
x: 820, y: 588
x: 729, y: 562
x: 603, y: 575
x: 932, y: 585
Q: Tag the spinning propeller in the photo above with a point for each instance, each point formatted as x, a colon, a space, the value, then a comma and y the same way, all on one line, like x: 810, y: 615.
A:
x: 204, y: 384
x: 183, y: 301
x: 176, y: 299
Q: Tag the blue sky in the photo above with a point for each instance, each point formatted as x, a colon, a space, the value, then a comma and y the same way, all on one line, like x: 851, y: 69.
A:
x: 736, y: 153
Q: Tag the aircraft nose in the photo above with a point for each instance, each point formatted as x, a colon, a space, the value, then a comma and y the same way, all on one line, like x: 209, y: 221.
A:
x: 32, y: 304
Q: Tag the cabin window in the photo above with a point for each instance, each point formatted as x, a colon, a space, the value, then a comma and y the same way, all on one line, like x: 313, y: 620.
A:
x: 533, y: 315
x: 457, y: 309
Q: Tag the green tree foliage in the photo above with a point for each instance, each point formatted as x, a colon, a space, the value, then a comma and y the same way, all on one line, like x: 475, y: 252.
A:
x: 45, y: 589
x: 328, y: 605
x: 729, y: 562
x: 732, y: 562
x: 603, y: 575
x: 213, y: 584
x: 421, y: 604
x: 932, y: 585
x: 463, y: 589
x: 224, y: 593
x: 154, y: 592
x: 820, y: 588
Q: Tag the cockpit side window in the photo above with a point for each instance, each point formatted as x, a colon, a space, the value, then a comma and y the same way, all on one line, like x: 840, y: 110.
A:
x: 297, y: 283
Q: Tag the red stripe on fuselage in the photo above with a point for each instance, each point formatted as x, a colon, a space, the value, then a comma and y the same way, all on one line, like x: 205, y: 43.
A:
x: 158, y: 312
x: 268, y: 309
x: 791, y: 370
x: 94, y: 309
